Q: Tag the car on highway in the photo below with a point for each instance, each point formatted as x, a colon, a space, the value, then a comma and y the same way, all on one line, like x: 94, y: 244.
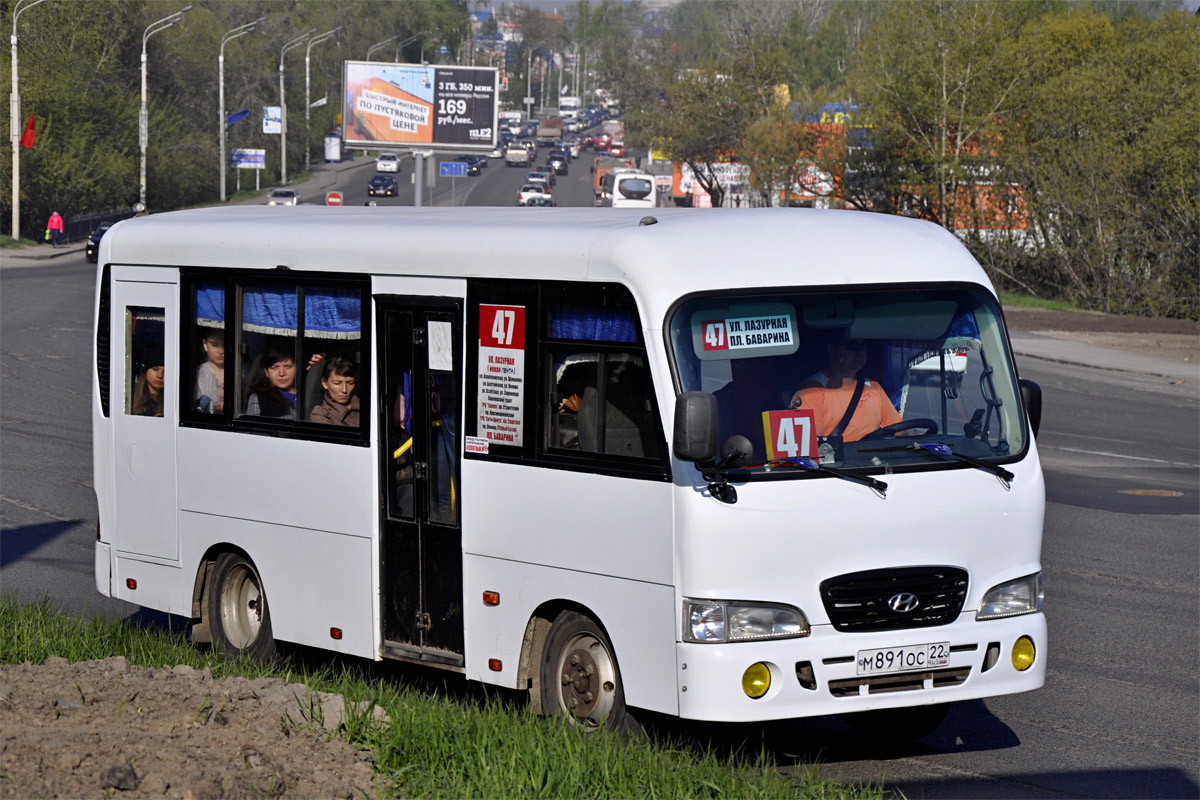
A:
x: 545, y: 170
x: 540, y: 178
x: 559, y: 161
x: 92, y: 248
x: 516, y: 155
x: 387, y: 162
x: 283, y: 197
x: 382, y: 184
x: 539, y: 201
x: 472, y: 164
x: 530, y: 191
x: 497, y: 151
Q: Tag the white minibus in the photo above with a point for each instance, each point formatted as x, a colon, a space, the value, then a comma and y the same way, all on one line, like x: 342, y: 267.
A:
x: 628, y: 188
x: 699, y: 463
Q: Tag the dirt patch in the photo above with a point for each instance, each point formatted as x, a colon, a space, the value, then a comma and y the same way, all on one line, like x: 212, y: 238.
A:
x: 1040, y: 319
x: 109, y: 728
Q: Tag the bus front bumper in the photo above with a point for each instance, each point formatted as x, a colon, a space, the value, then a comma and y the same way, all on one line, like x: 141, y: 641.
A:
x: 821, y: 674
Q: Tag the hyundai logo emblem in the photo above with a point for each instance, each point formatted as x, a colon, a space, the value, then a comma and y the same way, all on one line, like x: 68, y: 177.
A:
x: 903, y: 602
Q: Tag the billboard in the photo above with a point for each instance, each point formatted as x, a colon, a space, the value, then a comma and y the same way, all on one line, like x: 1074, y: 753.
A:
x: 272, y: 119
x: 415, y: 105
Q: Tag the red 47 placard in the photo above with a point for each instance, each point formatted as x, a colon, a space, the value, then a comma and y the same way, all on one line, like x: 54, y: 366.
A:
x: 790, y: 434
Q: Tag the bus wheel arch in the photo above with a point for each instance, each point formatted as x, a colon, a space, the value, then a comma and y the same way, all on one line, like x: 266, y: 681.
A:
x: 575, y: 676
x: 232, y: 603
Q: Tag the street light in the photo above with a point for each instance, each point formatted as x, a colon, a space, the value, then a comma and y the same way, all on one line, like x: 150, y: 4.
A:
x: 14, y: 122
x: 240, y: 30
x: 529, y: 75
x: 324, y: 37
x: 380, y: 46
x: 143, y: 117
x: 299, y: 40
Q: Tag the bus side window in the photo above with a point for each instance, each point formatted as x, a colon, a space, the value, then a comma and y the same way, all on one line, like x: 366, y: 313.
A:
x: 144, y: 363
x: 605, y: 405
x: 207, y: 353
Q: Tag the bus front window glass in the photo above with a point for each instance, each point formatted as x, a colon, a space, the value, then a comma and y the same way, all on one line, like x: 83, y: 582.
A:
x: 144, y: 363
x: 928, y: 373
x: 268, y: 346
x: 207, y: 353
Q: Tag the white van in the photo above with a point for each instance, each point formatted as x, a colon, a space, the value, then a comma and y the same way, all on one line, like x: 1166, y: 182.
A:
x: 628, y: 188
x: 602, y: 475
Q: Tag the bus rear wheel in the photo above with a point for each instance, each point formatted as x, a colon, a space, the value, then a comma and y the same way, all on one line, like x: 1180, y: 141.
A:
x: 238, y: 615
x: 580, y: 681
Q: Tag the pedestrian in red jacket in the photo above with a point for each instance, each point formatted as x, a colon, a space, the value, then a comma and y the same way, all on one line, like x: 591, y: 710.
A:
x: 55, y: 226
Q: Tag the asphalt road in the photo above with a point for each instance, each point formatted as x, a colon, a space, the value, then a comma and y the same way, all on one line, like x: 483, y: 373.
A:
x: 1117, y: 718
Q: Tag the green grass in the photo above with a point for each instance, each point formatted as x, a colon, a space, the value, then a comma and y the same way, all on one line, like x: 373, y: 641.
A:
x: 440, y: 742
x: 7, y: 242
x: 1009, y: 299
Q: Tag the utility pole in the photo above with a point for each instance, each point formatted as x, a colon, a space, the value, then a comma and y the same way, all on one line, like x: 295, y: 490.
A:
x: 240, y: 30
x: 299, y: 40
x: 14, y: 122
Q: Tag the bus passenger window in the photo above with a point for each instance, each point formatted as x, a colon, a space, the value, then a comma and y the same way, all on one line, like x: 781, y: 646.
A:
x: 208, y: 352
x: 144, y: 362
x: 604, y: 405
x: 269, y: 320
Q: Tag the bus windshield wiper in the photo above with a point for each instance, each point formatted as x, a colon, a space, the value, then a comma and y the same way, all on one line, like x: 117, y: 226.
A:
x: 808, y: 463
x: 945, y: 450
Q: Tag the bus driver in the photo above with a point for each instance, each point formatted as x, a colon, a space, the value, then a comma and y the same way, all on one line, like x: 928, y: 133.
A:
x: 832, y: 392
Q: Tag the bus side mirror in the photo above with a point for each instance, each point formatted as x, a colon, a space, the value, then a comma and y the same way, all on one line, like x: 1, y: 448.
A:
x: 1031, y: 396
x: 696, y: 434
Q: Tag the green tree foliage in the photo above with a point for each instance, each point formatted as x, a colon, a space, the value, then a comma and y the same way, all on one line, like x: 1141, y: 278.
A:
x: 80, y: 66
x: 1107, y: 153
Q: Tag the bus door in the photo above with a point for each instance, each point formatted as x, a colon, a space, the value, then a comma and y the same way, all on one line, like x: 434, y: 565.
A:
x: 421, y: 542
x: 144, y: 409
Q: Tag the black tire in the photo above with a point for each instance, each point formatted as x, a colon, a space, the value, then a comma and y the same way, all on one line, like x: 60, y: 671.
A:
x: 580, y: 680
x: 237, y: 611
x: 889, y: 726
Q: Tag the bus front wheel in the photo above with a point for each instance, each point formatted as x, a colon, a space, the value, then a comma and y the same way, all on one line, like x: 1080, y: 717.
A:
x: 580, y: 682
x: 238, y: 615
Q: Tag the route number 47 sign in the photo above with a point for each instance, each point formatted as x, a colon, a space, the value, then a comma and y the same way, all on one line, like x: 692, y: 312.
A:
x: 790, y: 434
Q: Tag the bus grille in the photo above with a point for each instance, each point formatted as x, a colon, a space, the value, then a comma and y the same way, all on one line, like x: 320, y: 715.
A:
x: 859, y: 602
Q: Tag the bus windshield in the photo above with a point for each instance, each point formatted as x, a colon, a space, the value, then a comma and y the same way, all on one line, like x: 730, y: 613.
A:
x: 878, y: 378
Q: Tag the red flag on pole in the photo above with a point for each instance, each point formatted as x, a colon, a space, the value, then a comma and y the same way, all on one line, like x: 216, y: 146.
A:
x: 28, y: 137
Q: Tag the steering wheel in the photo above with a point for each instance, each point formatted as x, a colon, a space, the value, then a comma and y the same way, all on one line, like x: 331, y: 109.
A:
x: 903, y: 425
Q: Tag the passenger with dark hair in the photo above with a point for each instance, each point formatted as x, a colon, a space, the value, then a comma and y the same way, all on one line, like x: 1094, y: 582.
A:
x: 340, y: 406
x: 148, y: 392
x: 273, y: 389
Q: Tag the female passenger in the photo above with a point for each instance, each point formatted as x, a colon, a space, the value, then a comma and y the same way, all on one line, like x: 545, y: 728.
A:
x: 148, y: 392
x: 273, y: 390
x: 340, y: 406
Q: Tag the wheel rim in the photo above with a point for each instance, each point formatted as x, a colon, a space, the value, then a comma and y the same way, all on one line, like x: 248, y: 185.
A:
x: 588, y: 679
x: 242, y: 607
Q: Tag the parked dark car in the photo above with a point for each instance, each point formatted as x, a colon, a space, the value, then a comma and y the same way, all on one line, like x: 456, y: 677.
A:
x: 382, y: 184
x: 92, y: 249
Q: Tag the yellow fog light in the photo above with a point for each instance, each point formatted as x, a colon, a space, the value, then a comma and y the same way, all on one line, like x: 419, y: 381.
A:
x: 1022, y: 654
x: 756, y: 680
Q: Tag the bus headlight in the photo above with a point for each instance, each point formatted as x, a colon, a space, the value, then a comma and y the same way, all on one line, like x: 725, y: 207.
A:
x: 1022, y: 596
x: 719, y: 621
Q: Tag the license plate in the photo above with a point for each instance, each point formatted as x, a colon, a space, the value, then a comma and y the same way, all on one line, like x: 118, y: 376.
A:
x: 903, y: 659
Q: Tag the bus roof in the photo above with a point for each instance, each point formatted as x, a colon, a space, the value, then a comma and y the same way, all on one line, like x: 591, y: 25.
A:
x: 687, y: 250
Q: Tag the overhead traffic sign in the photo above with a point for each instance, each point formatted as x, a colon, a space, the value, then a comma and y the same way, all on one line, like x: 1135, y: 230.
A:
x: 453, y: 169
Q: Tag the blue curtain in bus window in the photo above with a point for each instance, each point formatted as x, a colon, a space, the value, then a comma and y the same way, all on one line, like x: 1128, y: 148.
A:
x: 962, y: 333
x: 593, y: 324
x: 333, y: 313
x: 210, y: 305
x: 328, y: 313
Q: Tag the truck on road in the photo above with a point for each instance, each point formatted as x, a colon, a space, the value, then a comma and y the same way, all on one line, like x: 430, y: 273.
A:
x: 550, y: 130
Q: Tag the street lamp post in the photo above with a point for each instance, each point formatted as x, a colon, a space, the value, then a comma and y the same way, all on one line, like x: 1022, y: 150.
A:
x: 143, y: 116
x: 380, y: 46
x: 299, y: 40
x: 529, y: 77
x: 324, y: 37
x: 14, y: 122
x: 240, y: 30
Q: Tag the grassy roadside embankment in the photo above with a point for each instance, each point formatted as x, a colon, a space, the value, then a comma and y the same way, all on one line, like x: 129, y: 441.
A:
x: 438, y: 744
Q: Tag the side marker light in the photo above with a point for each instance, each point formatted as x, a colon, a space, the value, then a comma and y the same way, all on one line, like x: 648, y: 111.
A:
x: 335, y: 633
x: 130, y: 583
x: 495, y: 664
